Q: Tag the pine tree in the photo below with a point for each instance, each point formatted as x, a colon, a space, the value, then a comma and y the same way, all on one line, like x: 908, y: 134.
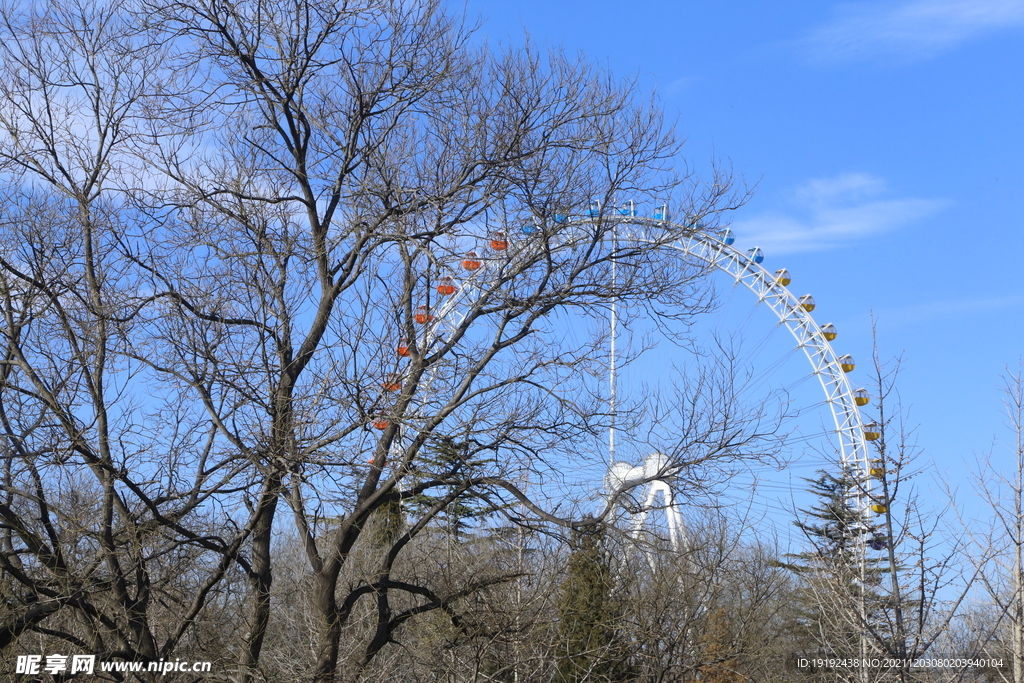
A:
x: 718, y: 651
x: 841, y: 529
x: 451, y: 460
x: 387, y: 524
x: 838, y: 576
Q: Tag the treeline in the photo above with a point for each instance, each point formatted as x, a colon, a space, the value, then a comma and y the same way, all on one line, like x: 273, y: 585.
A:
x: 600, y: 605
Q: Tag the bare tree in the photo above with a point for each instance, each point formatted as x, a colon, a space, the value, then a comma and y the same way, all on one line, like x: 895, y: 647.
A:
x: 999, y: 631
x: 901, y: 578
x: 929, y: 580
x: 230, y: 236
x: 111, y: 543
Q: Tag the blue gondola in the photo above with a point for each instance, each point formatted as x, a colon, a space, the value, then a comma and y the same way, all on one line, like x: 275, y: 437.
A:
x: 531, y: 228
x: 755, y: 254
x: 595, y: 209
x: 628, y: 208
x: 561, y: 218
x: 661, y: 213
x: 726, y: 237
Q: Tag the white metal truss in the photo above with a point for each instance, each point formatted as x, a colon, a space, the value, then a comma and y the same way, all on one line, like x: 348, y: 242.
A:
x: 714, y: 252
x: 825, y: 365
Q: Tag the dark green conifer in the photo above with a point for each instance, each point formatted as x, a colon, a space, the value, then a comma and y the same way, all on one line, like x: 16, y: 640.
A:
x: 590, y: 640
x: 838, y: 575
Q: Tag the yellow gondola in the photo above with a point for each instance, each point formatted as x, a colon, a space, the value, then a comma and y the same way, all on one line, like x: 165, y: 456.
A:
x: 782, y: 277
x: 807, y: 302
x: 878, y: 508
x: 877, y: 468
x: 828, y: 331
x: 861, y: 397
x: 846, y: 363
x: 872, y: 431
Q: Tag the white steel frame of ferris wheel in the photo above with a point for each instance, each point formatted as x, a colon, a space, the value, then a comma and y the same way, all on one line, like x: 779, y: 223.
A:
x: 713, y: 251
x: 825, y: 364
x: 853, y: 449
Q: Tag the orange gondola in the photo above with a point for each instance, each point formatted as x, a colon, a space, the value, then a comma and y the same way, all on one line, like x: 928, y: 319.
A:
x: 446, y: 287
x: 499, y: 241
x: 423, y: 316
x: 472, y: 261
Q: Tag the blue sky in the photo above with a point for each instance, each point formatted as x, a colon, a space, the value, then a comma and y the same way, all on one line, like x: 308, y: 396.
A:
x: 885, y: 143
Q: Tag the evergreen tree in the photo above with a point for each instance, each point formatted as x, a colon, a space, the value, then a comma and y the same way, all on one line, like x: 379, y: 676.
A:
x: 838, y: 576
x: 450, y: 460
x: 387, y: 524
x: 718, y: 651
x: 590, y: 640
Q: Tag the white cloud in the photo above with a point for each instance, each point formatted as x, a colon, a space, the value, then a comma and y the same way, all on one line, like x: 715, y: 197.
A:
x: 846, y: 188
x: 832, y: 212
x: 945, y: 308
x: 680, y: 85
x: 910, y: 30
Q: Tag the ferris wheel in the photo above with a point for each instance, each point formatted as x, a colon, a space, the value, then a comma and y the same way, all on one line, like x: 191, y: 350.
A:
x: 651, y: 480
